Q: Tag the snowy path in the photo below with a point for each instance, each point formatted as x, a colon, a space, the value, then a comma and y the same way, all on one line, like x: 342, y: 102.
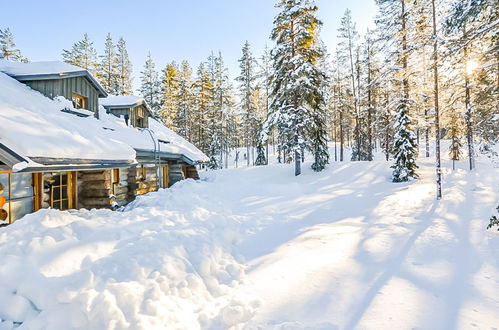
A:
x: 348, y: 249
x: 256, y: 248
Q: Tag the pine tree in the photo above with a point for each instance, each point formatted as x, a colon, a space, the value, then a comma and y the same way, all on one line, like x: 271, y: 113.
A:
x: 265, y: 85
x: 297, y: 86
x: 82, y: 54
x: 223, y: 104
x: 151, y: 86
x: 185, y: 102
x: 349, y: 36
x: 124, y: 69
x: 472, y: 28
x: 247, y: 78
x: 203, y: 95
x: 108, y: 68
x: 170, y: 89
x: 393, y: 20
x: 8, y: 48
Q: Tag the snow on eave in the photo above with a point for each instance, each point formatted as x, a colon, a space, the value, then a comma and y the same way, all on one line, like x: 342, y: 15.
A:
x: 47, y: 70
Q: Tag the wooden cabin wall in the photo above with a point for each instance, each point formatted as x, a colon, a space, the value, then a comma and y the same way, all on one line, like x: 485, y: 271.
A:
x: 94, y: 189
x: 141, y: 183
x: 191, y: 172
x: 175, y: 174
x: 121, y: 191
x: 66, y: 87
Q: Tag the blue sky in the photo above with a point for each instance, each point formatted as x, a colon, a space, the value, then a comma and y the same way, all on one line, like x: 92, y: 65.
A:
x: 169, y: 29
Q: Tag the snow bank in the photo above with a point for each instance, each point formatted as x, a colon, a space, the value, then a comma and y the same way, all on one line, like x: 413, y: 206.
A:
x: 257, y: 248
x: 166, y: 262
x: 34, y: 126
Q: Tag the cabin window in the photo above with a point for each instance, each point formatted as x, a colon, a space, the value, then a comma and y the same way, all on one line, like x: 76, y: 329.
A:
x: 61, y: 186
x: 141, y: 123
x: 115, y: 179
x: 79, y: 102
x: 20, y: 194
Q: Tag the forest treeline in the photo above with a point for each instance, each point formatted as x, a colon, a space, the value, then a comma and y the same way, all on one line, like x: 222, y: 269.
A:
x: 428, y: 71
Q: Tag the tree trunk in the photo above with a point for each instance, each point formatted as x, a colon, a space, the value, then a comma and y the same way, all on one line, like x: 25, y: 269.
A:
x: 467, y: 101
x: 341, y: 136
x: 437, y: 114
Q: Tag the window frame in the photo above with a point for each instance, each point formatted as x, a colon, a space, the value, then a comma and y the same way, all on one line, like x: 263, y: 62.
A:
x: 83, y: 100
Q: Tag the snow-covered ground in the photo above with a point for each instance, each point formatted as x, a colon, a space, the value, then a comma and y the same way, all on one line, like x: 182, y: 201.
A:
x: 257, y: 248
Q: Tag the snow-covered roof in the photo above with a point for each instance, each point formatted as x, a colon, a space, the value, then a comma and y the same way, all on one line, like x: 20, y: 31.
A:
x: 46, y: 70
x: 35, y: 127
x: 121, y: 101
x: 148, y: 139
x: 176, y: 144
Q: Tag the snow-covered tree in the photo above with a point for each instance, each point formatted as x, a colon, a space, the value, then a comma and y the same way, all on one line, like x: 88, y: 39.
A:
x: 260, y: 154
x: 404, y: 147
x: 8, y: 48
x: 203, y: 95
x: 170, y: 89
x: 297, y: 85
x: 247, y: 80
x: 185, y: 102
x: 151, y: 85
x: 348, y: 48
x: 108, y: 67
x: 393, y: 20
x: 82, y: 54
x: 124, y: 69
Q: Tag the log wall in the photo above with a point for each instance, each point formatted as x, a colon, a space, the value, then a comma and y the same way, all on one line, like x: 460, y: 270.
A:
x: 139, y: 184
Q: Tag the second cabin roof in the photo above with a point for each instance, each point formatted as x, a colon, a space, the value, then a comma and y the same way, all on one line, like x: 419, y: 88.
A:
x: 47, y: 70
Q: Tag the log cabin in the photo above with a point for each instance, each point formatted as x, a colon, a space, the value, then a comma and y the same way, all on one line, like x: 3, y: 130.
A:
x: 60, y: 148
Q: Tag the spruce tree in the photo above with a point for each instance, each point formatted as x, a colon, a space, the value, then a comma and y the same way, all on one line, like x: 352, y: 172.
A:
x: 260, y: 154
x: 151, y: 86
x: 170, y: 87
x: 82, y: 54
x: 297, y: 85
x: 8, y: 48
x: 124, y: 69
x: 404, y: 148
x: 108, y: 67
